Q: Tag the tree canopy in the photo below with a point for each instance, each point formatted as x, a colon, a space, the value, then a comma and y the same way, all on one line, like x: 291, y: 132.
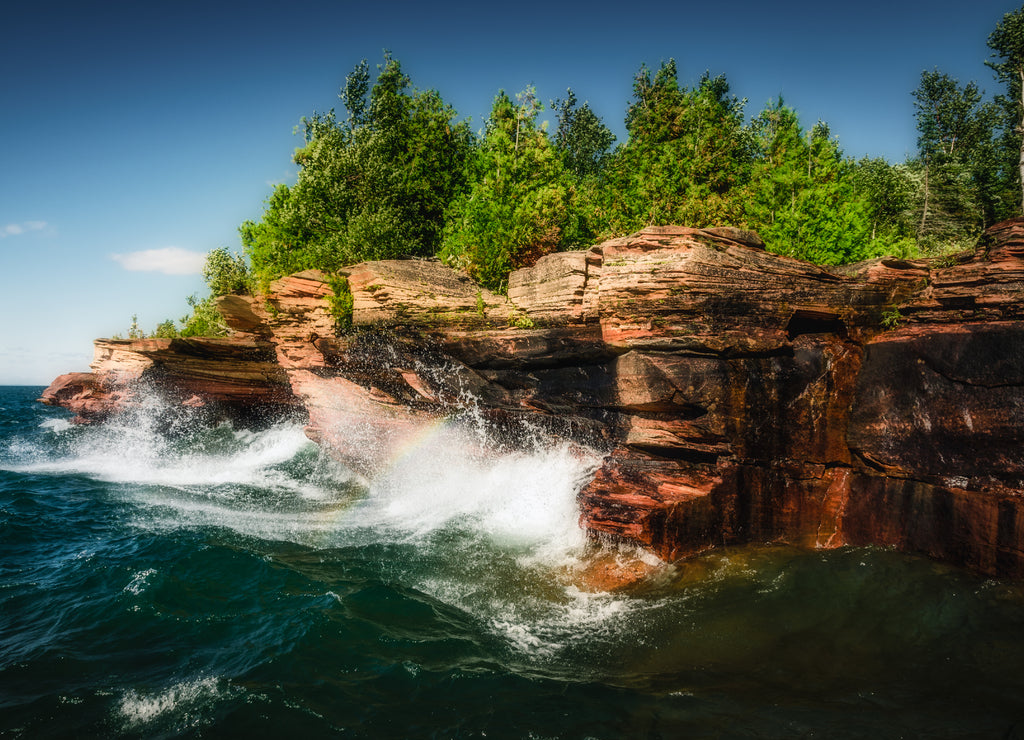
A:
x: 517, y: 207
x: 399, y: 175
x: 1007, y: 44
x: 374, y: 186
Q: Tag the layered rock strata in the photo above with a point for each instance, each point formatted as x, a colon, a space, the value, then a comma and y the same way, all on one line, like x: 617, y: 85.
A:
x: 236, y: 377
x: 737, y: 396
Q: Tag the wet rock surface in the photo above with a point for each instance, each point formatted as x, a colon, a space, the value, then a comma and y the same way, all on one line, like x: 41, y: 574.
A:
x: 737, y: 396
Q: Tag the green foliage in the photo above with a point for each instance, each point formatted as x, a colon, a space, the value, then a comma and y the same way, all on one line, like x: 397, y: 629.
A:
x: 945, y: 204
x: 353, y: 94
x: 520, y: 320
x: 581, y: 139
x: 341, y: 303
x: 950, y: 119
x: 134, y: 332
x: 687, y: 151
x: 399, y: 176
x: 165, y: 330
x: 802, y: 197
x: 373, y: 187
x: 518, y: 204
x: 955, y: 172
x: 226, y: 273
x: 887, y: 192
x: 995, y: 166
x: 891, y: 318
x: 204, y: 321
x: 1007, y: 45
x: 950, y: 258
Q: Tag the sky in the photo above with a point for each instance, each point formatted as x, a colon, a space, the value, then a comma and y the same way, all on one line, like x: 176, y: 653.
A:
x: 135, y: 137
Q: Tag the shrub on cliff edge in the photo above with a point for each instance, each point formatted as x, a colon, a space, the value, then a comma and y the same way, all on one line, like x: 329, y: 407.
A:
x: 226, y: 273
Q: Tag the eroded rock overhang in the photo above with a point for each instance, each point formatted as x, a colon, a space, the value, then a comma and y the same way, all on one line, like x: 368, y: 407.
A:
x: 737, y: 396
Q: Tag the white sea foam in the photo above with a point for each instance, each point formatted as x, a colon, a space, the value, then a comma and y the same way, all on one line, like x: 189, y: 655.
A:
x: 503, y: 520
x: 548, y: 628
x: 515, y: 499
x: 140, y: 708
x: 137, y: 454
x: 139, y: 582
x: 56, y: 425
x: 276, y: 483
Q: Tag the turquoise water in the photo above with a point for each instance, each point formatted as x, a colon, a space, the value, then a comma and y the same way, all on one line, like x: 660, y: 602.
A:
x: 191, y: 582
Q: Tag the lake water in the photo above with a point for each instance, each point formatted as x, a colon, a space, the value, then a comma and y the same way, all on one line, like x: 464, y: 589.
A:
x: 198, y: 582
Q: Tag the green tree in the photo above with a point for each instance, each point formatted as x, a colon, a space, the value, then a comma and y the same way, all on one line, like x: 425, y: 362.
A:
x: 686, y: 154
x: 1007, y: 45
x: 951, y: 118
x: 954, y: 175
x: 134, y: 331
x: 205, y: 320
x: 518, y: 205
x: 583, y: 142
x: 946, y: 207
x: 375, y: 186
x: 353, y: 94
x: 166, y: 330
x: 581, y: 138
x: 226, y: 273
x: 887, y: 191
x: 802, y: 197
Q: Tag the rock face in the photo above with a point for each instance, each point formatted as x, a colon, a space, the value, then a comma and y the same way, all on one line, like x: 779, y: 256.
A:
x: 794, y: 417
x: 237, y: 377
x: 738, y: 396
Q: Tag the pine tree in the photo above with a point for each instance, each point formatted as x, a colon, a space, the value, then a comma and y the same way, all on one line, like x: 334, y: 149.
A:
x: 1007, y: 45
x: 887, y: 192
x: 581, y: 138
x: 686, y: 154
x: 374, y: 186
x: 518, y: 204
x: 954, y: 128
x: 802, y: 198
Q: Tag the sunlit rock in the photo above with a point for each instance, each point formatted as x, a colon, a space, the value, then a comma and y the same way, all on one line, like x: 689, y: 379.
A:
x: 735, y: 395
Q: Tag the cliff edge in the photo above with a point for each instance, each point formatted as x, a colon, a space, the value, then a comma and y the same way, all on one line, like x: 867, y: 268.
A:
x: 737, y: 396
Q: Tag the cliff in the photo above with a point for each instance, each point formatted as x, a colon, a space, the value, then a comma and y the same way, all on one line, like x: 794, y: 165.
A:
x: 738, y: 396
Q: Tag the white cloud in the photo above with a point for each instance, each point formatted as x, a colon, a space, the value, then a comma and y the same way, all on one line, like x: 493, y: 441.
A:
x: 23, y: 227
x: 169, y: 261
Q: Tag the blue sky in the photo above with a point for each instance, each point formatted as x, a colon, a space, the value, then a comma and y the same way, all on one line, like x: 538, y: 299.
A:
x: 135, y: 137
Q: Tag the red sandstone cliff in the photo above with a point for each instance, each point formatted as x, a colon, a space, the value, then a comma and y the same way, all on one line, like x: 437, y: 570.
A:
x: 740, y: 396
x: 238, y: 376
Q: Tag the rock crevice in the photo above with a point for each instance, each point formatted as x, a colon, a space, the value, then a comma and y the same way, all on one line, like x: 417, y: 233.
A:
x: 736, y: 395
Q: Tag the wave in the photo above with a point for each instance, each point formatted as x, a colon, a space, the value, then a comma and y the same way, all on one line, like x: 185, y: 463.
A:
x: 175, y: 705
x: 491, y: 530
x: 454, y: 477
x: 56, y: 425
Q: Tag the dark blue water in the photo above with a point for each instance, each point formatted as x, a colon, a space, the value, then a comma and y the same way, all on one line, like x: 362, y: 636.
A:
x: 222, y: 583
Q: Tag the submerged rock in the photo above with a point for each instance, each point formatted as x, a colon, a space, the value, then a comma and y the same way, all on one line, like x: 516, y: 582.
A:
x: 738, y: 396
